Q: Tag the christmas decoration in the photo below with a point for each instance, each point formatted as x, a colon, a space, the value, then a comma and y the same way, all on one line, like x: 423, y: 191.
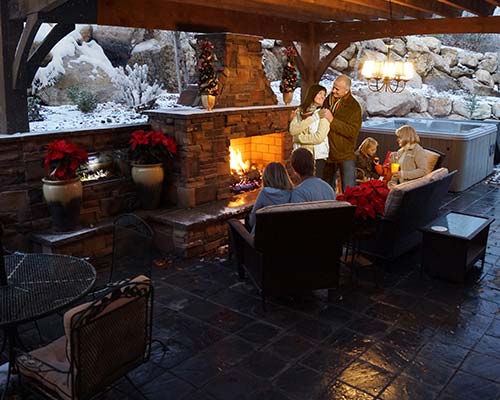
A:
x: 289, y: 78
x: 207, y: 79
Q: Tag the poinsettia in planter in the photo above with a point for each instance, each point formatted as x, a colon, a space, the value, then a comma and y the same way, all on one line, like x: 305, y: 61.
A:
x: 148, y: 151
x: 369, y: 197
x: 62, y: 188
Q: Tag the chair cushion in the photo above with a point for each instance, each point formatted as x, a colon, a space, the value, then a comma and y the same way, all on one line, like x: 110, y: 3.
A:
x: 438, y: 174
x: 311, y: 205
x: 396, y: 195
x: 37, y: 367
x: 73, y: 313
x: 432, y: 159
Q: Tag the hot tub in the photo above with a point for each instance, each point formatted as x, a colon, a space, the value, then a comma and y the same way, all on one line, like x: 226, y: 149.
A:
x: 469, y: 146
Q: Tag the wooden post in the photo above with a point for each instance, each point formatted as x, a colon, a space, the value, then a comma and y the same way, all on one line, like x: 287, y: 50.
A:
x: 13, y: 102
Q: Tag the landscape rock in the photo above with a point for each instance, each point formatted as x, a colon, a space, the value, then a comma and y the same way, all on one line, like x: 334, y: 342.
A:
x: 399, y: 47
x: 441, y: 81
x: 469, y: 58
x: 387, y: 104
x: 272, y: 66
x: 489, y: 62
x: 439, y: 106
x: 475, y: 87
x: 450, y: 54
x: 340, y: 63
x: 484, y: 76
x: 461, y: 70
x: 267, y: 43
x: 423, y: 62
x: 432, y: 43
x: 415, y: 44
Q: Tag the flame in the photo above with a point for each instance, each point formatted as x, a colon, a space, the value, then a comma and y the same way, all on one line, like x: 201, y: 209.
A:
x: 236, y: 162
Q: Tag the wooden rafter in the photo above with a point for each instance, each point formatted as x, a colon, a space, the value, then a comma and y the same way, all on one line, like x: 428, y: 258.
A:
x: 383, y: 5
x: 473, y: 6
x: 356, y: 31
x: 430, y: 6
x: 22, y: 50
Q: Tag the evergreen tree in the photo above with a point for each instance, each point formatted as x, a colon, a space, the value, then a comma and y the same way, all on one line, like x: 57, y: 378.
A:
x: 207, y: 79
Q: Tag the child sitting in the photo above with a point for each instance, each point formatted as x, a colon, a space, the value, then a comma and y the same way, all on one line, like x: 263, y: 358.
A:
x: 366, y: 160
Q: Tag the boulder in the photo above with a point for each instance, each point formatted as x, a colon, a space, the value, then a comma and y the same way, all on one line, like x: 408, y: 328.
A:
x: 375, y: 44
x: 432, y: 43
x: 441, y: 81
x: 469, y: 58
x: 388, y: 104
x: 349, y: 52
x: 418, y: 115
x: 456, y: 117
x: 475, y: 87
x: 439, y: 106
x: 117, y: 42
x: 495, y: 109
x: 415, y: 44
x: 496, y: 77
x: 423, y: 62
x: 421, y: 103
x: 399, y: 47
x: 272, y: 66
x: 440, y: 63
x: 472, y: 108
x: 450, y: 54
x: 489, y: 62
x: 267, y: 43
x: 366, y: 54
x: 460, y: 70
x: 340, y: 63
x: 484, y: 76
x: 415, y: 82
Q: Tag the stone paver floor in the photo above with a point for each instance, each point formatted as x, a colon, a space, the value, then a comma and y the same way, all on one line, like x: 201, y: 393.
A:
x: 417, y: 338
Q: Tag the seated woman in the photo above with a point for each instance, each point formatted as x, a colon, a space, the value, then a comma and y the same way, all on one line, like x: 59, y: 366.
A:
x: 411, y: 157
x: 309, y: 130
x: 366, y: 161
x: 277, y: 190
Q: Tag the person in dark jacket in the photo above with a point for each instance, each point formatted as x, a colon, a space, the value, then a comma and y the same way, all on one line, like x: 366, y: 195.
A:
x: 344, y: 130
x: 366, y: 160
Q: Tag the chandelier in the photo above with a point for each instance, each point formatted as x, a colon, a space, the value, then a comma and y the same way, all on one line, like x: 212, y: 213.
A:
x: 390, y: 76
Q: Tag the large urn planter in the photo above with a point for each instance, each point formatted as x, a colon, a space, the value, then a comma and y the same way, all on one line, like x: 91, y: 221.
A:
x: 287, y: 97
x: 149, y: 182
x: 64, y: 199
x: 208, y: 101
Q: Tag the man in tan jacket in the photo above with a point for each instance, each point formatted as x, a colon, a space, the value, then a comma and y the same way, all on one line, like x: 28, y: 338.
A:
x: 344, y: 130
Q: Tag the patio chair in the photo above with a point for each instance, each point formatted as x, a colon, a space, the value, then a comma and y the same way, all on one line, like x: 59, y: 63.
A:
x: 132, y: 248
x: 104, y: 340
x: 296, y: 247
x: 439, y: 162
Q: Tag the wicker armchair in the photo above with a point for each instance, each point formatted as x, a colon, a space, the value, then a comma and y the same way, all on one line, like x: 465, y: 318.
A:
x: 104, y: 340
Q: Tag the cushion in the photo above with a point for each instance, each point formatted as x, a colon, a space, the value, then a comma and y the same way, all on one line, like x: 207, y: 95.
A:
x: 438, y: 174
x: 432, y: 159
x: 36, y: 365
x: 311, y: 205
x: 395, y: 196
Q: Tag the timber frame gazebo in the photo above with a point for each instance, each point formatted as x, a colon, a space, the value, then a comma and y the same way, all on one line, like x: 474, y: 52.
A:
x: 310, y: 22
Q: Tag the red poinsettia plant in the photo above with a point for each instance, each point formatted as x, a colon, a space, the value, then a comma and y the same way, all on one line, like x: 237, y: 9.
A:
x: 63, y: 159
x: 151, y: 147
x: 369, y: 197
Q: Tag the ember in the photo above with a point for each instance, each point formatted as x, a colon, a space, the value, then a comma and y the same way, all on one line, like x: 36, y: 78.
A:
x: 246, y: 177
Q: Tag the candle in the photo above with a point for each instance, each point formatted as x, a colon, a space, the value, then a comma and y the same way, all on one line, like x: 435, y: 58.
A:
x: 394, y: 167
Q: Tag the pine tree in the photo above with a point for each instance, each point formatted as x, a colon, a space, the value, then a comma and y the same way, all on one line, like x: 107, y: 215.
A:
x: 289, y: 78
x: 207, y: 79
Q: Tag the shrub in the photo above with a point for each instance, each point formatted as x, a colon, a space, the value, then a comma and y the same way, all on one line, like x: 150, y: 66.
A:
x: 34, y: 109
x: 84, y: 100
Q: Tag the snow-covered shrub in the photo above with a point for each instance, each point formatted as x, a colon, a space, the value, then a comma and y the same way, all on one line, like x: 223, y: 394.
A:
x: 134, y: 87
x: 34, y: 109
x: 84, y: 100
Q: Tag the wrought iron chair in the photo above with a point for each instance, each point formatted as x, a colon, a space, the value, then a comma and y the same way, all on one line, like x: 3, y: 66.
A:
x: 104, y: 340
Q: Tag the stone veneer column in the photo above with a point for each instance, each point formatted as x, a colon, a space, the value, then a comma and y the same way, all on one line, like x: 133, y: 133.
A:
x: 242, y: 80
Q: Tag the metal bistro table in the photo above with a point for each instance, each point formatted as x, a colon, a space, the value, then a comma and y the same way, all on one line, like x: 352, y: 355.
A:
x: 38, y: 285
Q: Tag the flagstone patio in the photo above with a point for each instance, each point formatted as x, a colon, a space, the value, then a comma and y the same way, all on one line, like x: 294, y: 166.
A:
x: 417, y: 338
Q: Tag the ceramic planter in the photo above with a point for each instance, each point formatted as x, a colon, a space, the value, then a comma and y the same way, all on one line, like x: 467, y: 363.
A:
x: 64, y: 199
x: 208, y: 101
x: 287, y: 97
x: 149, y: 183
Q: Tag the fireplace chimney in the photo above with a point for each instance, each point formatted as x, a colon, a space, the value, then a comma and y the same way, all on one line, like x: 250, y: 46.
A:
x: 242, y: 80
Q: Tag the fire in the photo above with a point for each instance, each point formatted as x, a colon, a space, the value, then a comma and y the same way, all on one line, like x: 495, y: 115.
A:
x: 236, y: 161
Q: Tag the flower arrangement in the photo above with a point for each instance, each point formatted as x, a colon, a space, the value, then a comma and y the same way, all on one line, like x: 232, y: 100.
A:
x: 63, y: 159
x: 208, y: 82
x: 289, y: 78
x: 369, y: 197
x: 151, y: 147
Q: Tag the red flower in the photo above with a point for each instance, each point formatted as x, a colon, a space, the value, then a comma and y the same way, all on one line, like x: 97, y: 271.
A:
x: 63, y: 159
x: 151, y: 147
x: 369, y: 197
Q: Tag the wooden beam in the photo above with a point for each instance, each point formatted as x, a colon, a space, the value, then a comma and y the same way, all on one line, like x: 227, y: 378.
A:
x: 356, y: 31
x: 170, y: 16
x: 327, y: 60
x: 25, y: 42
x: 430, y: 6
x: 383, y: 5
x: 473, y: 6
x: 493, y: 2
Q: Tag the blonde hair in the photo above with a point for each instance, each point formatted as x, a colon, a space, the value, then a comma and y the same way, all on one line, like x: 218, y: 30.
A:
x: 363, y: 147
x: 275, y: 176
x: 407, y: 134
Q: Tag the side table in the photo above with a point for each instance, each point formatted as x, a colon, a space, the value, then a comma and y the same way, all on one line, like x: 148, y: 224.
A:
x: 452, y: 244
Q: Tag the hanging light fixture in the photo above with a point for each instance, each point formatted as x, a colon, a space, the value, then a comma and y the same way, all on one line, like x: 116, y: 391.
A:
x: 390, y: 76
